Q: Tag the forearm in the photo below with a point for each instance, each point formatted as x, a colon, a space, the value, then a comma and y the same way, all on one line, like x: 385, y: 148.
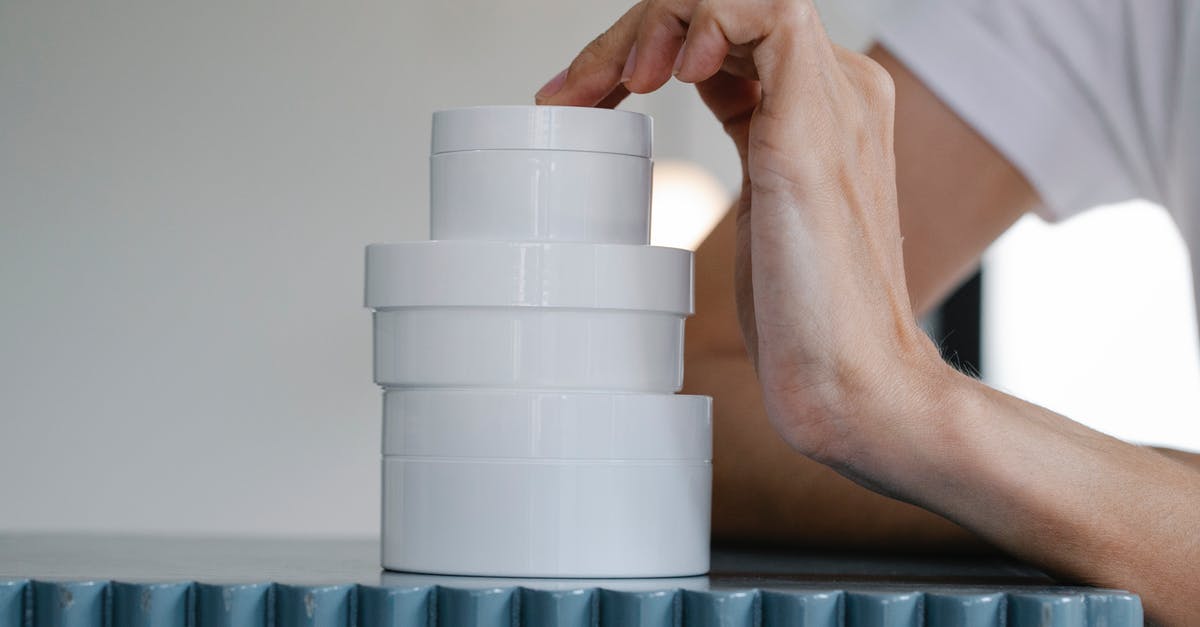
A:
x: 763, y: 491
x: 1191, y: 459
x: 1077, y: 502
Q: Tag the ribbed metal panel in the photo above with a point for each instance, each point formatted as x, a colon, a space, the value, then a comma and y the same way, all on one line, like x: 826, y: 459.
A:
x: 98, y: 603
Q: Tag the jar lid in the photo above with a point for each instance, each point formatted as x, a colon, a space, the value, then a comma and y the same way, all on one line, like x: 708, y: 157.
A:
x: 531, y: 127
x: 521, y: 424
x: 529, y: 274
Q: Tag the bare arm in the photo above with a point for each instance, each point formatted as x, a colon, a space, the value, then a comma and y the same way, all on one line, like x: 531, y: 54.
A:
x: 762, y: 490
x: 847, y: 377
x: 957, y: 194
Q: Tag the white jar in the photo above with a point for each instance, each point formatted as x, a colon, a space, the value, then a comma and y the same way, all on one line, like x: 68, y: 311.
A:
x: 546, y: 484
x: 529, y: 315
x: 533, y: 195
x: 528, y: 347
x: 567, y: 174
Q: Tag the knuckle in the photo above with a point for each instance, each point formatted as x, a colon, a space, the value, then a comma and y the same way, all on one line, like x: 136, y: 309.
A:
x: 876, y: 84
x: 654, y: 7
x: 881, y: 82
x: 613, y: 42
x: 796, y: 12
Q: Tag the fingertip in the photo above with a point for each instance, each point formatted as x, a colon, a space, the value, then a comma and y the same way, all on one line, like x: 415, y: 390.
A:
x: 584, y: 90
x: 630, y: 65
x: 552, y: 86
x: 614, y: 98
x: 633, y: 74
x: 652, y: 69
x: 702, y: 53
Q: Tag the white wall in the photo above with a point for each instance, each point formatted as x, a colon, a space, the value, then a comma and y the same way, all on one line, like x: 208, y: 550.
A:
x: 185, y: 193
x: 1094, y: 318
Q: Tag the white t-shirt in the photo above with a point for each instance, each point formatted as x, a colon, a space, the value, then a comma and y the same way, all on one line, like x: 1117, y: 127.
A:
x: 1094, y: 101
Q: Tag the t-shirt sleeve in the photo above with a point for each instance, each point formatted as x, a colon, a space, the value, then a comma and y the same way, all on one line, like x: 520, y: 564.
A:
x: 1077, y: 95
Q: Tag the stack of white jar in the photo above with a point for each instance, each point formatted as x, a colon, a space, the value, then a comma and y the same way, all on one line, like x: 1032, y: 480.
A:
x: 530, y: 356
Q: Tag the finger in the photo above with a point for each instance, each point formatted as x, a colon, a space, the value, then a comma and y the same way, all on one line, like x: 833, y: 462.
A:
x: 596, y: 70
x: 732, y: 100
x: 705, y: 49
x: 741, y: 68
x: 795, y: 56
x: 729, y: 97
x: 663, y: 28
x: 614, y: 98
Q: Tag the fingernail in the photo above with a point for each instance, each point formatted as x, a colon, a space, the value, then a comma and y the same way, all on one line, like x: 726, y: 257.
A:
x: 678, y: 60
x: 630, y: 62
x: 552, y: 86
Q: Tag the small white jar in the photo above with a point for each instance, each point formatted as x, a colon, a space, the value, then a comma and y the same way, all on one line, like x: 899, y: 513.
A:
x: 567, y: 174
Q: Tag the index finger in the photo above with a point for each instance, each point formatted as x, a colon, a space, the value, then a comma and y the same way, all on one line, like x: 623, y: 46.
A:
x: 596, y: 70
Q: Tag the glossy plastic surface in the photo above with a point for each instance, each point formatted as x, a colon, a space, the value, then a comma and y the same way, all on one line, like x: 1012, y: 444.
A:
x: 452, y: 273
x: 547, y: 425
x: 530, y: 352
x: 540, y: 195
x: 585, y: 349
x: 540, y: 518
x: 537, y: 128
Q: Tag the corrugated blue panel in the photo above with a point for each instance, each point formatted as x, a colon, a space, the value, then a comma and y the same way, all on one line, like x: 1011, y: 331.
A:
x: 655, y: 608
x: 721, y: 608
x: 488, y: 607
x: 559, y: 608
x: 314, y: 606
x: 1046, y: 610
x: 234, y: 605
x: 185, y: 604
x: 70, y: 604
x: 12, y: 602
x: 954, y: 609
x: 384, y: 607
x: 151, y: 604
x: 802, y: 608
x: 884, y: 609
x: 1113, y: 609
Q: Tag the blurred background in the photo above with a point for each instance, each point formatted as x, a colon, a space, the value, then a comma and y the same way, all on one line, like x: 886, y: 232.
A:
x: 186, y: 190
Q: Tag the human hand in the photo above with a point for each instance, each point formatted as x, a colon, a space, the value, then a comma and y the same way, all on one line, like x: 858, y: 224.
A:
x: 848, y: 378
x: 822, y: 300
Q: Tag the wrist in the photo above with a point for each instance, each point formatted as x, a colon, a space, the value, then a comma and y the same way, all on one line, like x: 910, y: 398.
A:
x: 914, y: 423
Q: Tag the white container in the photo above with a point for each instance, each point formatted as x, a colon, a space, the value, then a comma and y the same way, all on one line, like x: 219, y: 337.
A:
x: 528, y: 356
x: 529, y: 347
x: 529, y: 315
x: 540, y: 195
x: 521, y: 127
x: 523, y: 424
x: 568, y: 174
x: 539, y: 484
x: 578, y: 518
x: 528, y: 274
x: 390, y: 579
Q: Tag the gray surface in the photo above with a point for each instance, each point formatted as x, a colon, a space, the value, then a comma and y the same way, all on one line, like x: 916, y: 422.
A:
x: 113, y: 581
